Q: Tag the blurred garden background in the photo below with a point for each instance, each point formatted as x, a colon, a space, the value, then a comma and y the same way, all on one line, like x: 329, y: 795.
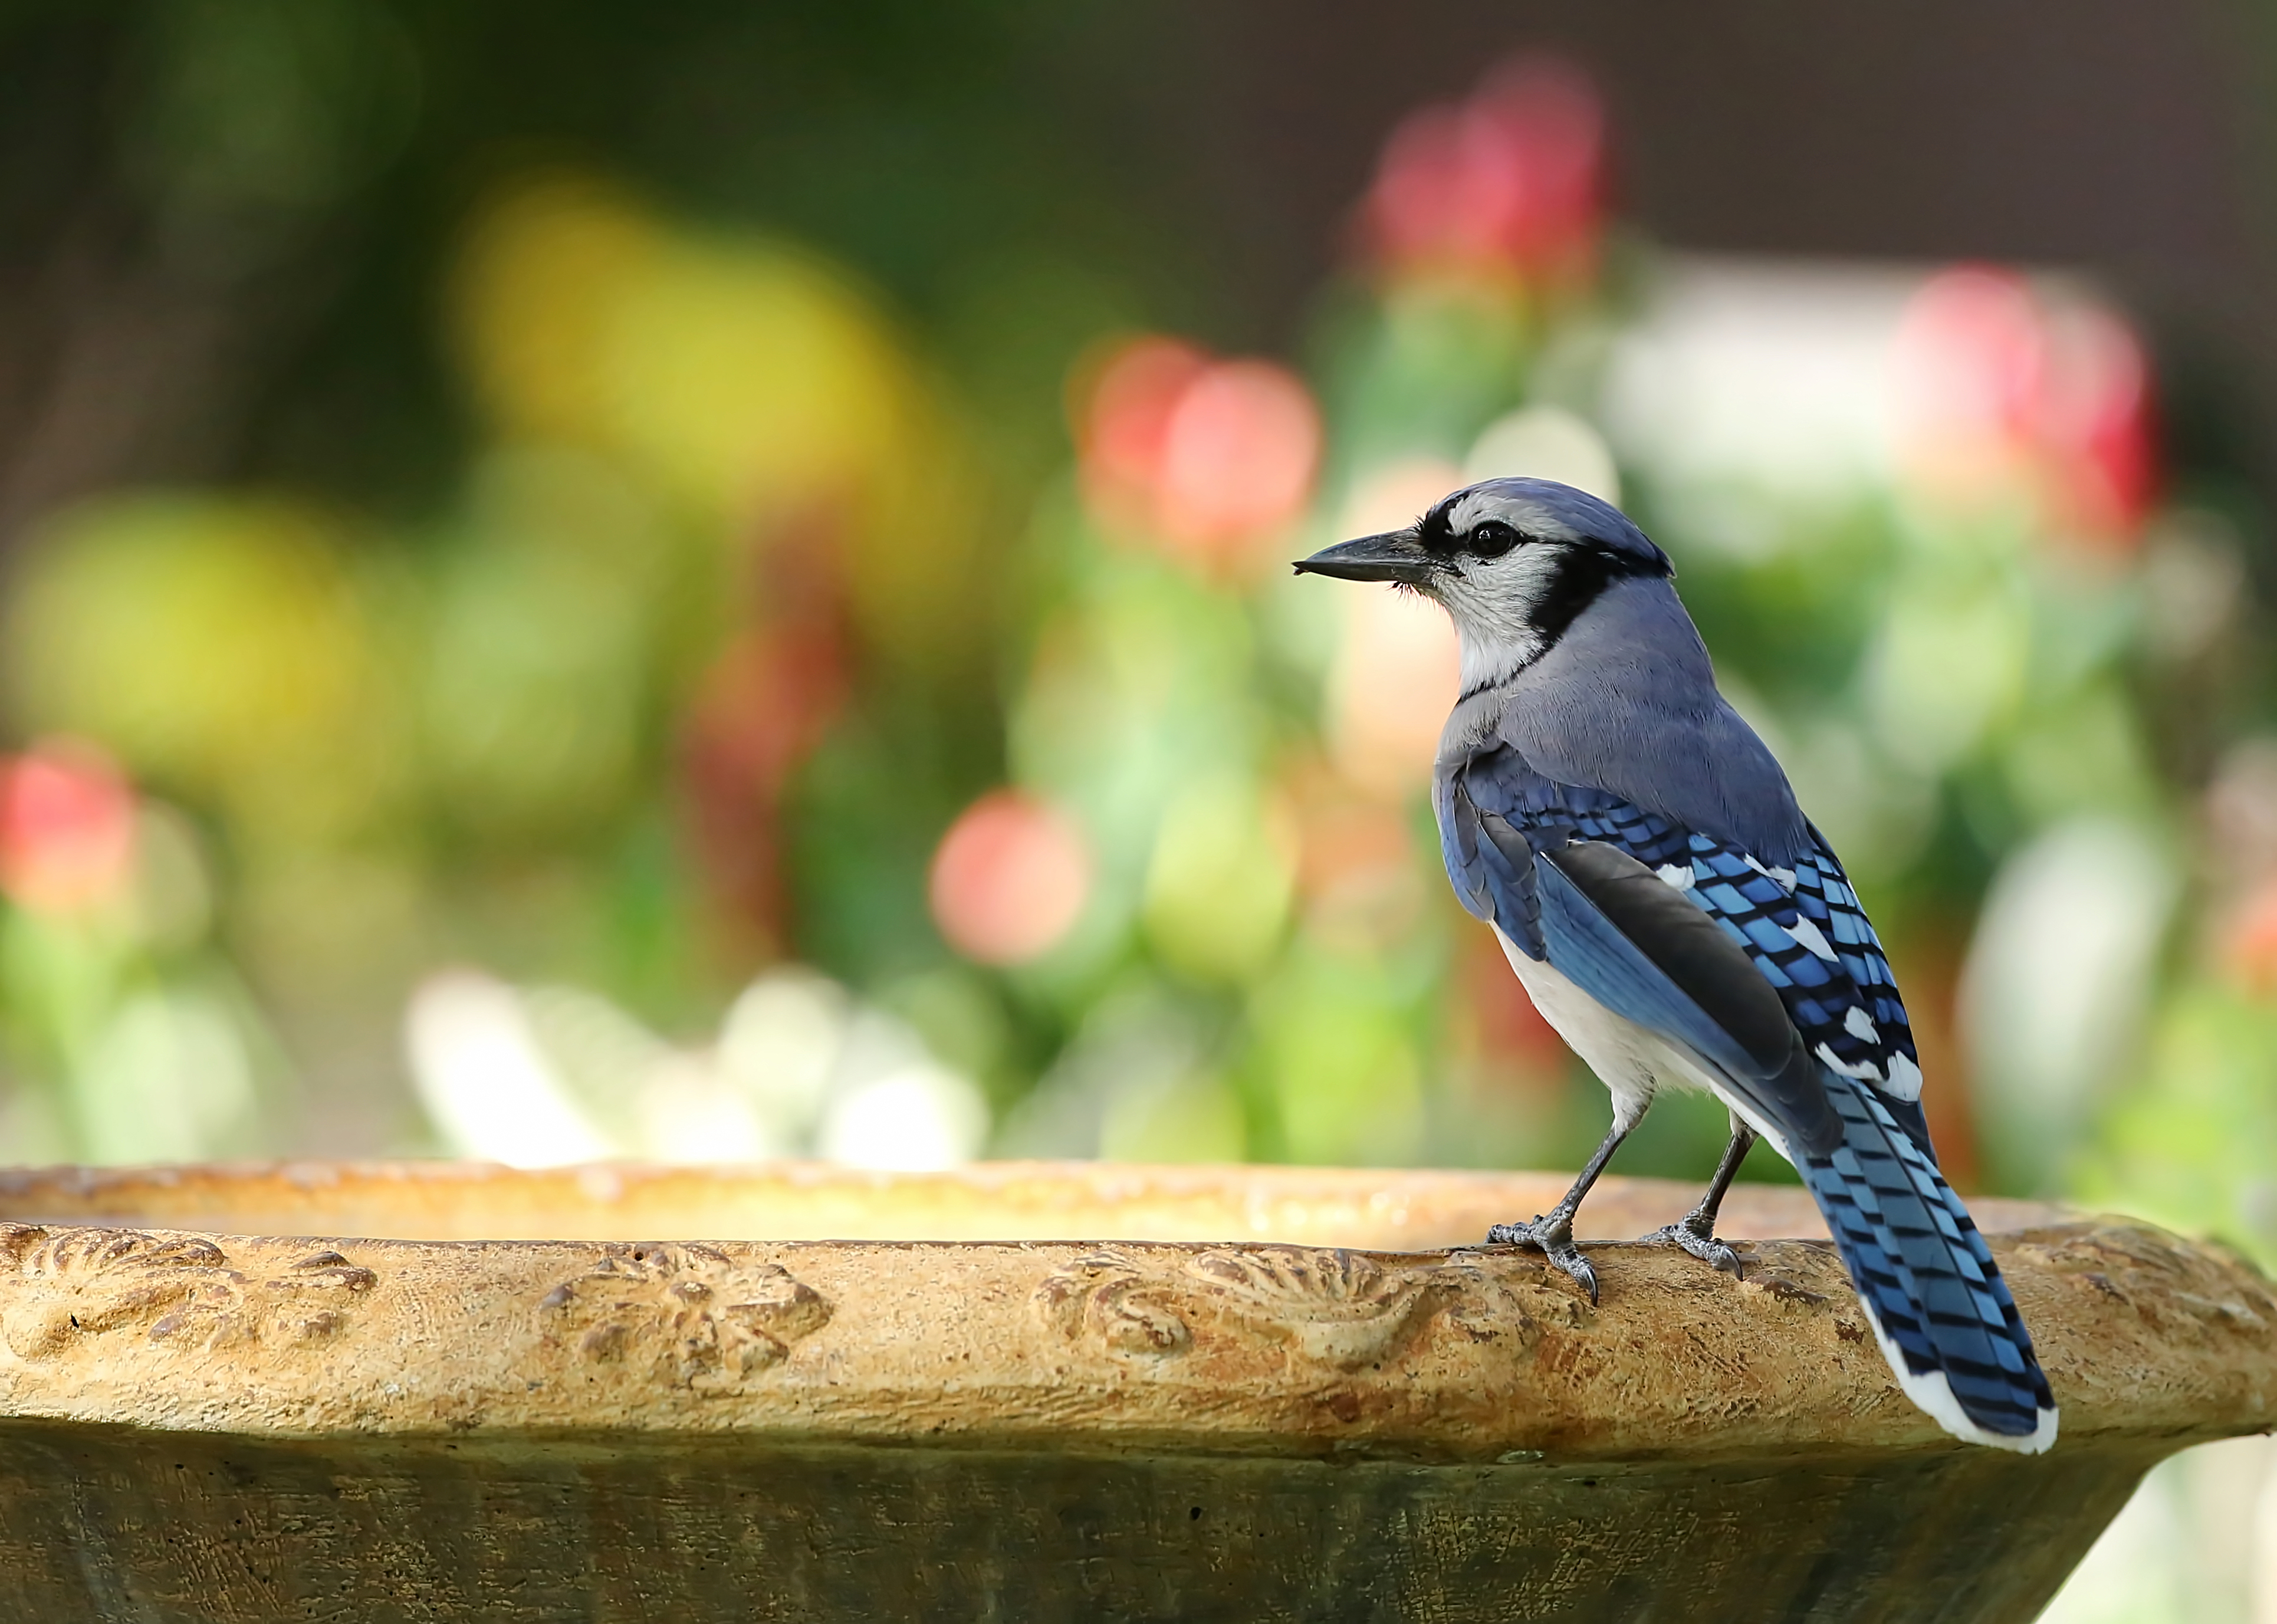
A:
x: 710, y: 582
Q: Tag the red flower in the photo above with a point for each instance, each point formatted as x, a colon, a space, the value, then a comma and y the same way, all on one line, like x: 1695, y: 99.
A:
x: 2001, y: 388
x: 2096, y: 422
x: 1010, y: 879
x: 1509, y: 182
x: 66, y: 828
x: 1202, y: 456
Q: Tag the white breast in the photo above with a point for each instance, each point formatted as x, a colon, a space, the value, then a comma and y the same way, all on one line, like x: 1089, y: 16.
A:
x: 1632, y: 1061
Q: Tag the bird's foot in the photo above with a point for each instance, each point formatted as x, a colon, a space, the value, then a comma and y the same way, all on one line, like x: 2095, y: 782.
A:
x: 1553, y: 1236
x: 1696, y: 1234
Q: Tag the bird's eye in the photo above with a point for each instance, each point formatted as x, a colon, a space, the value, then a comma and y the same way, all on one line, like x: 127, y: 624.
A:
x: 1491, y: 538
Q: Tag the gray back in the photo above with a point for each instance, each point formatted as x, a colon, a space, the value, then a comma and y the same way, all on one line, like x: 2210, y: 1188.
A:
x: 1625, y: 702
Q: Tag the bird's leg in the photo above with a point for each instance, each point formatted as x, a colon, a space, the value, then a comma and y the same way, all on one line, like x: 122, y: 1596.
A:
x: 1695, y: 1233
x: 1553, y: 1231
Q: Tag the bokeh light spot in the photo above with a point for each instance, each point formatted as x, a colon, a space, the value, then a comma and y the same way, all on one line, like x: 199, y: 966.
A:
x: 1239, y: 454
x: 1545, y: 442
x: 2249, y: 946
x: 1010, y: 879
x: 2004, y: 391
x: 1201, y: 457
x: 1509, y: 182
x: 1397, y: 672
x: 66, y: 828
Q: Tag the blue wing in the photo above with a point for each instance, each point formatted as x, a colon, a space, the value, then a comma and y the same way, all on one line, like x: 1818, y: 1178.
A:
x: 1802, y: 928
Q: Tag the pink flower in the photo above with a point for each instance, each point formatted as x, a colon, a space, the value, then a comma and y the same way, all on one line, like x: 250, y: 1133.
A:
x: 1126, y: 422
x: 1203, y: 457
x: 66, y: 828
x: 2000, y: 390
x: 2097, y: 424
x: 1010, y: 879
x: 1509, y: 182
x: 1970, y: 357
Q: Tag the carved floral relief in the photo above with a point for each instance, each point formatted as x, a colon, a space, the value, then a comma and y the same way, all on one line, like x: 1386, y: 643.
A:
x: 690, y: 1313
x: 178, y: 1290
x: 1331, y: 1308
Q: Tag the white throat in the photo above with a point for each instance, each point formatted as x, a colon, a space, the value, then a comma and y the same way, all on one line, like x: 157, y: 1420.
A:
x: 1487, y: 664
x: 1493, y: 604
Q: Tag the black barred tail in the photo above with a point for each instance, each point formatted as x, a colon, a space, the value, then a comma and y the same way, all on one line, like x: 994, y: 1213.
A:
x: 1937, y: 1301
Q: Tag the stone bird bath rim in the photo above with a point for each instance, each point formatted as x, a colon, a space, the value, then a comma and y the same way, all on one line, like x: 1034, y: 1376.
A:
x: 1076, y: 1333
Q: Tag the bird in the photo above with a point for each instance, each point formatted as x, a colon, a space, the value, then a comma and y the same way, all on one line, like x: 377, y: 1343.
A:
x: 1644, y: 863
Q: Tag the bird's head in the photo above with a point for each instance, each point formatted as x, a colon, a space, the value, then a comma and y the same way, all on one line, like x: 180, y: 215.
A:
x: 1513, y: 561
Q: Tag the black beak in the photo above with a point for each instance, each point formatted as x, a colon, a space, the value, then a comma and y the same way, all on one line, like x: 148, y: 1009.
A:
x: 1396, y: 555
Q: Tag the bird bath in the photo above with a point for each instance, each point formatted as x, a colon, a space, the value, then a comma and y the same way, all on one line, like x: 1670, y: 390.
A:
x: 1031, y: 1392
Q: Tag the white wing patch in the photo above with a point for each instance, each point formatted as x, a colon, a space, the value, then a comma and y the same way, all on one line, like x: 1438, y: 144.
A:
x: 1812, y: 938
x: 1864, y: 1072
x: 1905, y: 1078
x: 1784, y: 878
x: 1860, y: 1025
x: 1676, y: 876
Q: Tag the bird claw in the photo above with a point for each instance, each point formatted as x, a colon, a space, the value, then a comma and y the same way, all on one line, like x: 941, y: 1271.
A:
x: 1553, y: 1238
x: 1698, y: 1239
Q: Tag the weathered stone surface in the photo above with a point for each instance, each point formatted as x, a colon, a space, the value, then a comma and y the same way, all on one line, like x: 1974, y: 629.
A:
x: 1389, y: 1209
x: 222, y: 1426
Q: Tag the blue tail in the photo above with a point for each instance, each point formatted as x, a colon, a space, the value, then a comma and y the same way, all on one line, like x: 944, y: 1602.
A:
x: 1937, y: 1304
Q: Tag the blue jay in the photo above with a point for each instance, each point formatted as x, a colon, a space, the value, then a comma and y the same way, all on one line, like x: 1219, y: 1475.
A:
x: 1642, y: 860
